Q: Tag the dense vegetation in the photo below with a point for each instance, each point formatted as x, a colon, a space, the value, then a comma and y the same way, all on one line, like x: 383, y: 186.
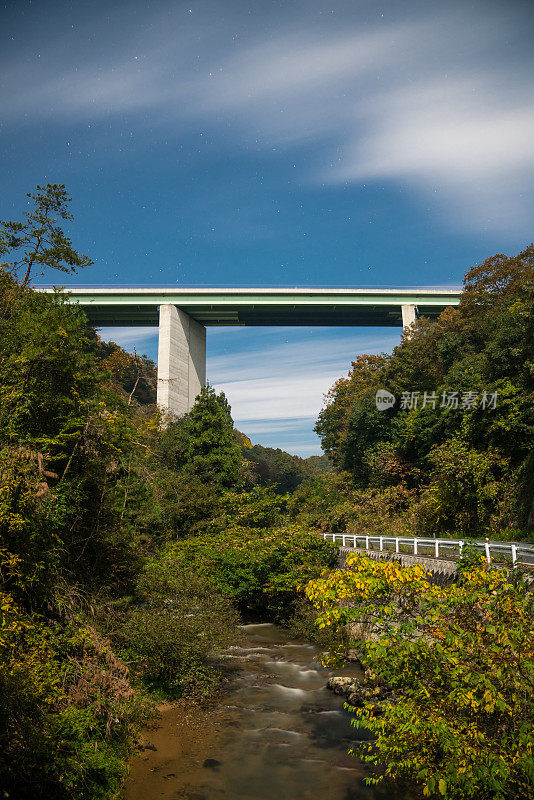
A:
x: 128, y: 548
x: 280, y: 470
x: 450, y: 674
x: 449, y: 691
x: 445, y: 465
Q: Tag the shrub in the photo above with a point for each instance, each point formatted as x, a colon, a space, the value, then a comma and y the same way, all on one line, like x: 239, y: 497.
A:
x: 178, y: 625
x: 259, y: 570
x: 458, y: 662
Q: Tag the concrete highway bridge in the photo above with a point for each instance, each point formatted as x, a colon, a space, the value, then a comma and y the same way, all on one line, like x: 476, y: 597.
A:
x: 182, y: 314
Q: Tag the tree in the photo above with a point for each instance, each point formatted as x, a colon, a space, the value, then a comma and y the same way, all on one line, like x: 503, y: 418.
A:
x: 465, y: 487
x: 451, y: 674
x: 210, y: 449
x: 485, y: 347
x: 366, y: 428
x: 38, y: 242
x: 333, y: 421
x: 275, y: 467
x: 497, y: 279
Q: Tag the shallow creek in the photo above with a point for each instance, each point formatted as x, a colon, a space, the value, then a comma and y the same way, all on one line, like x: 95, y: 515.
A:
x: 278, y: 734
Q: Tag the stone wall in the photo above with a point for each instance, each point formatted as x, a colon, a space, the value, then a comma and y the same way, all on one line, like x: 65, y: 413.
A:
x: 442, y: 568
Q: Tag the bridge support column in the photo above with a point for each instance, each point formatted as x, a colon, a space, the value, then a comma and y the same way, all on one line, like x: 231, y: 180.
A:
x: 409, y: 315
x: 181, y: 360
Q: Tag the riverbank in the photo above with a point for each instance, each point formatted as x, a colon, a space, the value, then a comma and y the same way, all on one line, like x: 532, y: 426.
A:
x: 174, y: 750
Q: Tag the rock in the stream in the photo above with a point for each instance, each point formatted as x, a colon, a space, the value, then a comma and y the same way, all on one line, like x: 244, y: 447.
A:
x: 211, y: 763
x: 350, y: 688
x: 148, y: 746
x: 355, y: 692
x: 343, y: 686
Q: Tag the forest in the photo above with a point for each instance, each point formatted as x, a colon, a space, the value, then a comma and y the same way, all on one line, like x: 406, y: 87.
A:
x: 131, y: 545
x: 447, y: 467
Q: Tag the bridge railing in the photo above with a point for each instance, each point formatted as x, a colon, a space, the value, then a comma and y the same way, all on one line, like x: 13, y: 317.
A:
x: 516, y: 553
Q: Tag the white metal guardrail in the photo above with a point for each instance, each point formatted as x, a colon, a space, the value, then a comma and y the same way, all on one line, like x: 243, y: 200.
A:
x: 518, y: 553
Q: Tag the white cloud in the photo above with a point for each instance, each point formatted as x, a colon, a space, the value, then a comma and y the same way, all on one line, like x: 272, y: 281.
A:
x: 305, y: 450
x: 320, y: 352
x: 441, y: 101
x: 289, y: 381
x: 130, y: 338
x: 278, y: 398
x: 267, y: 426
x: 477, y: 152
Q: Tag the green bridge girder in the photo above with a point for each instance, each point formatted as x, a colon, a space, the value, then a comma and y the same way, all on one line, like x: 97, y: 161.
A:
x: 310, y: 306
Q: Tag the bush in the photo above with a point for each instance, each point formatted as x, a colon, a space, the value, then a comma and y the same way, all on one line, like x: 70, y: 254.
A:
x: 260, y: 571
x: 465, y: 488
x: 68, y: 711
x: 177, y: 627
x: 458, y: 665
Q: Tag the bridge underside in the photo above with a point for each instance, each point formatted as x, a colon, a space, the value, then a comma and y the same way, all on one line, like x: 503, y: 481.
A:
x: 309, y: 315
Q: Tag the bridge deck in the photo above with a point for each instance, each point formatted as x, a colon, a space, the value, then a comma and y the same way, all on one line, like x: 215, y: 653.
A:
x: 138, y: 305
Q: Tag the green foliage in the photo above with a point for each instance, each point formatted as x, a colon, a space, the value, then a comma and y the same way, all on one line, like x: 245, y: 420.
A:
x: 185, y: 503
x: 333, y: 422
x: 93, y: 493
x: 202, y: 443
x: 465, y: 488
x: 469, y: 470
x: 46, y: 371
x: 458, y: 666
x: 135, y: 374
x: 178, y: 624
x: 282, y: 471
x: 258, y: 569
x: 68, y: 711
x: 333, y: 504
x: 366, y: 428
x: 38, y: 242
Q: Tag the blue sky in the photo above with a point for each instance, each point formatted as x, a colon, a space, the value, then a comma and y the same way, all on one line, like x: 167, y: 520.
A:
x: 275, y: 142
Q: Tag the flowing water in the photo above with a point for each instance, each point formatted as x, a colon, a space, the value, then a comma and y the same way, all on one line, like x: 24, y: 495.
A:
x: 279, y: 734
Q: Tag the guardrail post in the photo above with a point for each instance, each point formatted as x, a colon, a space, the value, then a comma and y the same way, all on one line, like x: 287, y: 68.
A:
x: 381, y: 542
x: 396, y: 544
x: 344, y: 540
x: 367, y: 543
x: 514, y: 555
x: 461, y: 547
x: 488, y: 552
x: 415, y: 546
x: 354, y: 541
x: 437, y: 548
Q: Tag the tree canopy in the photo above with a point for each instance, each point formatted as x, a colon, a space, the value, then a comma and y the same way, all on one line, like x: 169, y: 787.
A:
x: 471, y: 464
x: 37, y: 243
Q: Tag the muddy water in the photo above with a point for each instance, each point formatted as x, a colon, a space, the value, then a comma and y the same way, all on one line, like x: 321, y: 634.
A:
x: 279, y: 734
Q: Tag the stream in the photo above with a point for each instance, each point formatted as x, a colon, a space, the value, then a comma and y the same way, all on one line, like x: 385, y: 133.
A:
x: 278, y: 734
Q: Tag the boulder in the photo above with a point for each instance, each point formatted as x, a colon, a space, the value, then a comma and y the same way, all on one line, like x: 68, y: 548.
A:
x: 357, y: 693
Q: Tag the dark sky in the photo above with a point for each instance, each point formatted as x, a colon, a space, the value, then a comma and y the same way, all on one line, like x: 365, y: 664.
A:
x: 275, y: 142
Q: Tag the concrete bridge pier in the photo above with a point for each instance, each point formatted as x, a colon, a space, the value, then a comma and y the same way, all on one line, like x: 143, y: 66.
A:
x: 409, y: 315
x: 181, y: 360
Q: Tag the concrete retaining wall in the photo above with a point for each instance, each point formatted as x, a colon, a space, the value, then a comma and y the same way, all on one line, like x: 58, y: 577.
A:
x: 439, y: 567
